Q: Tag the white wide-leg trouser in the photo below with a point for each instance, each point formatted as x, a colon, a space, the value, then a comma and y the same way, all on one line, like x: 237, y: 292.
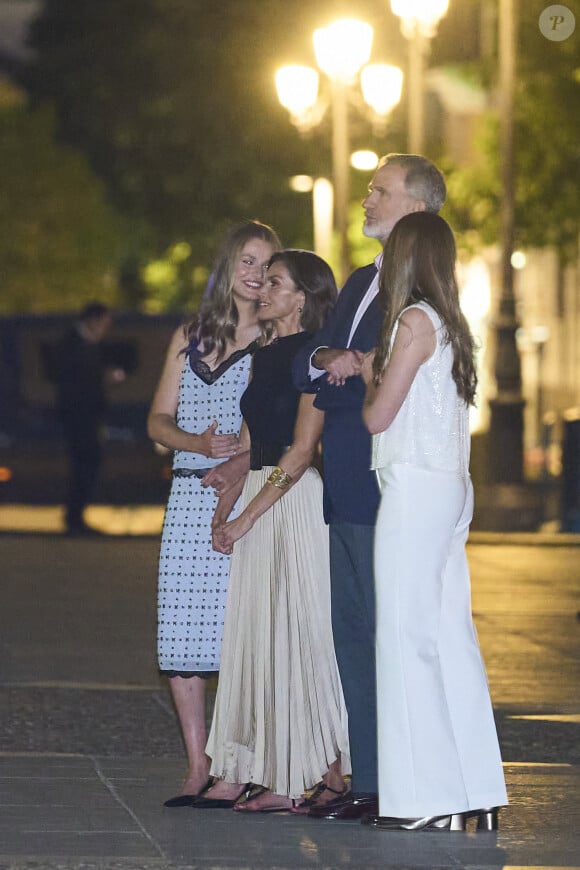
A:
x: 438, y: 751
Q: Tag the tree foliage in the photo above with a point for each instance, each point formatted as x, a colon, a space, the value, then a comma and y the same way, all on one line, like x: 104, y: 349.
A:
x: 547, y: 121
x: 168, y: 100
x: 174, y: 103
x: 547, y: 148
x: 60, y: 241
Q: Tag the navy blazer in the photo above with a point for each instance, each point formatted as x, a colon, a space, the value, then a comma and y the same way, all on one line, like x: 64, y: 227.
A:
x: 351, y: 492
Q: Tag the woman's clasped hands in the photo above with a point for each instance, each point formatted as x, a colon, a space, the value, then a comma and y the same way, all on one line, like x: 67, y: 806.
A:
x: 224, y: 535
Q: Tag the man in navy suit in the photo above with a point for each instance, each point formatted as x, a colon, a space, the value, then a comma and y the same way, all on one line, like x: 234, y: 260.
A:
x: 330, y: 365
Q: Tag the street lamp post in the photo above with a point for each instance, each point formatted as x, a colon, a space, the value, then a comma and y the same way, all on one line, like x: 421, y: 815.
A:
x: 507, y: 407
x: 322, y: 210
x: 340, y: 170
x: 342, y: 50
x: 419, y: 21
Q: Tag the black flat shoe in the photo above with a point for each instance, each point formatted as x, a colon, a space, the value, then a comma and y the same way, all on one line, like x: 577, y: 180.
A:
x: 181, y: 800
x: 187, y: 800
x: 209, y: 803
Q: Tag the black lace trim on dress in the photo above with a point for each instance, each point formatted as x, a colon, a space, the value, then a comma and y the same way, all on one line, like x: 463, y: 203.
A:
x: 209, y: 376
x: 191, y: 472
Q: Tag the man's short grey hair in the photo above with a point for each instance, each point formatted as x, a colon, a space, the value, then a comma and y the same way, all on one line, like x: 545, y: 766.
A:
x: 422, y: 180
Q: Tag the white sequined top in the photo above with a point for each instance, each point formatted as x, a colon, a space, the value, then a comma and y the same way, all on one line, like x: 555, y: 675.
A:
x: 431, y: 428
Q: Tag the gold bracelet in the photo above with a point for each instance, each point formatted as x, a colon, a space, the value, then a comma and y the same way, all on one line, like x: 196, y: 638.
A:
x: 280, y: 478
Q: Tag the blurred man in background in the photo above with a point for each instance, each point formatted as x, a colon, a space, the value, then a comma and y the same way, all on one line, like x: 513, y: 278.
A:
x: 81, y: 405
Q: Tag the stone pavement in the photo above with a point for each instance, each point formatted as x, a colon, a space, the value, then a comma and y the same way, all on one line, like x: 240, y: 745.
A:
x: 89, y: 744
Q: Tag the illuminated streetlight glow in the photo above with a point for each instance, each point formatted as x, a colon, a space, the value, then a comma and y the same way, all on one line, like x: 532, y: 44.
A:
x: 540, y: 334
x: 475, y: 291
x: 297, y: 88
x: 419, y: 20
x: 342, y: 48
x: 365, y: 161
x: 475, y: 296
x: 301, y: 183
x: 322, y: 209
x: 381, y: 86
x: 323, y: 206
x: 421, y: 15
x: 518, y: 259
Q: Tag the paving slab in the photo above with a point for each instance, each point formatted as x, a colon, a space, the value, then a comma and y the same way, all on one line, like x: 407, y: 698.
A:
x: 108, y: 810
x: 90, y: 747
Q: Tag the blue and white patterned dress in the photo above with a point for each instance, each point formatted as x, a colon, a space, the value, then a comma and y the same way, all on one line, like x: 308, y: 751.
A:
x: 193, y: 578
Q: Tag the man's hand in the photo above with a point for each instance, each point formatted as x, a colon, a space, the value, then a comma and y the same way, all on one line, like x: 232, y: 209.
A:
x: 339, y: 363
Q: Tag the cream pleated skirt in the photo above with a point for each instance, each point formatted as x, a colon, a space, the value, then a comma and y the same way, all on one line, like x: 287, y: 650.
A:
x: 280, y: 718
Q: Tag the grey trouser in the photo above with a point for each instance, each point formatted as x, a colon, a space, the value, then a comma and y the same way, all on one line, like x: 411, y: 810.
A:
x: 353, y: 626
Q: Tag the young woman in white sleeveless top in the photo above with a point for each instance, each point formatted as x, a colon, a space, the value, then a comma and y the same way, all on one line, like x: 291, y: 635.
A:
x: 439, y: 759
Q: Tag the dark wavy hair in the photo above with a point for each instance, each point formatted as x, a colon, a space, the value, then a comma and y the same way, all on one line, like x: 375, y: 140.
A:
x: 419, y: 266
x: 216, y: 321
x: 311, y: 274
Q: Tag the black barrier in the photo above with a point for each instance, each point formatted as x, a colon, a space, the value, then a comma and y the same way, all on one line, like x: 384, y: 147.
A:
x: 570, y: 520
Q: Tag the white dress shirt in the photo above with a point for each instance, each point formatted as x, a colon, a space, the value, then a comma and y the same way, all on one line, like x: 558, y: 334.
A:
x: 372, y: 291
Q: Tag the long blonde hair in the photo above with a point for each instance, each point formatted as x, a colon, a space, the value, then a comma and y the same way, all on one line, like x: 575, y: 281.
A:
x: 419, y: 265
x: 216, y: 321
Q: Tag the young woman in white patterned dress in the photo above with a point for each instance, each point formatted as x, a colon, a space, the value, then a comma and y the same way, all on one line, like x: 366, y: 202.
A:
x: 196, y: 413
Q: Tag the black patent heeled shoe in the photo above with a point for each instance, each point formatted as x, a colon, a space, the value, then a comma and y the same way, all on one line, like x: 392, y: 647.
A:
x: 187, y: 800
